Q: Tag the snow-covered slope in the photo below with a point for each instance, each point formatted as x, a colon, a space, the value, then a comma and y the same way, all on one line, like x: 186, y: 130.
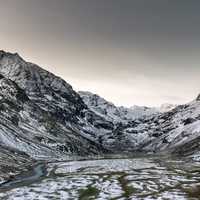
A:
x: 120, y: 114
x: 12, y: 162
x: 113, y: 113
x: 40, y: 114
x: 172, y: 131
x: 166, y: 128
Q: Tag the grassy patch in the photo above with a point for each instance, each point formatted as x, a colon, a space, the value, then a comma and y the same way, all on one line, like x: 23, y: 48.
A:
x: 88, y: 193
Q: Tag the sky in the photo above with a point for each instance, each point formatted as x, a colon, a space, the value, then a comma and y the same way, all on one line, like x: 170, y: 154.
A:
x: 131, y: 52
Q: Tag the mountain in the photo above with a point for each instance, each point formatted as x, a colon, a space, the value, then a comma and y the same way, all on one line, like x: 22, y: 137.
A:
x: 121, y: 114
x: 42, y: 117
x: 40, y: 114
x: 143, y: 128
x: 176, y: 131
x: 166, y: 128
x: 112, y: 113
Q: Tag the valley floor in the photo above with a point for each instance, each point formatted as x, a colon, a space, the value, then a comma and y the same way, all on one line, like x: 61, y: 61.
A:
x: 152, y: 177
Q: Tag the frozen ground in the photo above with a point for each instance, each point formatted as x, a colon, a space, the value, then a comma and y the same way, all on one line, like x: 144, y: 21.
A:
x: 119, y: 178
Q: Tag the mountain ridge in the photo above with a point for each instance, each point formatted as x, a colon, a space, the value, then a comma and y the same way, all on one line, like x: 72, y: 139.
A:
x: 118, y: 114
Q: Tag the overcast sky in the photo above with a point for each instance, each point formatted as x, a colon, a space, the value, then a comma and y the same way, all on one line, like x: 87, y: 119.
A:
x: 144, y: 52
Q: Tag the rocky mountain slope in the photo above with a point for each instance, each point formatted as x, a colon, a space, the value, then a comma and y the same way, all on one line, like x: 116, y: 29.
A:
x: 121, y: 114
x: 112, y: 113
x: 170, y: 131
x: 42, y: 117
x: 40, y: 114
x: 166, y: 128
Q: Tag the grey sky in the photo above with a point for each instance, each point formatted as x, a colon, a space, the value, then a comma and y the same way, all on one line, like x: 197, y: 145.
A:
x: 144, y: 52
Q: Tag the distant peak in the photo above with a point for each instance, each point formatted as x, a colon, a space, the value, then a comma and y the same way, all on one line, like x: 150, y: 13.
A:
x: 198, y: 98
x: 4, y: 53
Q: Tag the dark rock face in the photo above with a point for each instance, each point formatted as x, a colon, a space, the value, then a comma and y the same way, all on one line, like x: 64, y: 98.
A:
x: 198, y: 98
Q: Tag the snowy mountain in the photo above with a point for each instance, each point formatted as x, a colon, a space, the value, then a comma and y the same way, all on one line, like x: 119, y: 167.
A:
x: 113, y: 113
x: 176, y: 131
x: 42, y: 117
x: 40, y: 113
x: 167, y: 128
x: 121, y: 114
x: 166, y: 107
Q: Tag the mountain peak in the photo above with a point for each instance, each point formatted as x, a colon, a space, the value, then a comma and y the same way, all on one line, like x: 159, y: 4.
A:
x: 40, y: 85
x: 198, y: 98
x: 4, y: 53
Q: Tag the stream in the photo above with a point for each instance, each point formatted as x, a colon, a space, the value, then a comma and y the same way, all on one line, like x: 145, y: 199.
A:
x: 133, y: 178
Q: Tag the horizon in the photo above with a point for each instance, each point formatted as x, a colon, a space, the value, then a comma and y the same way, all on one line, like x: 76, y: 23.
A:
x: 130, y: 53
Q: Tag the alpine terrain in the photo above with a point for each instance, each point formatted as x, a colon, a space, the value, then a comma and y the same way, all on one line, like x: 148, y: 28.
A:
x: 43, y: 120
